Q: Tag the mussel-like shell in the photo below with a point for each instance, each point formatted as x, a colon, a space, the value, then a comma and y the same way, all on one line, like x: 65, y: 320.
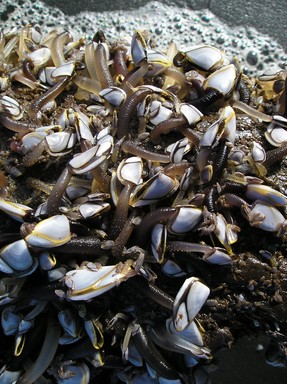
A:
x: 51, y: 232
x: 91, y: 210
x: 177, y: 150
x: 172, y: 269
x: 258, y: 152
x: 10, y: 321
x: 158, y: 112
x: 187, y: 218
x: 84, y: 284
x: 276, y: 135
x: 75, y: 374
x: 156, y: 188
x: 191, y: 113
x: 15, y: 210
x: 138, y: 47
x: 223, y: 80
x: 94, y: 330
x: 114, y: 95
x: 272, y: 218
x: 209, y: 137
x: 265, y: 194
x: 191, y: 333
x: 40, y: 57
x: 60, y: 143
x: 205, y: 57
x: 90, y: 159
x: 65, y: 69
x: 11, y: 106
x: 17, y: 256
x: 159, y: 62
x: 130, y: 171
x: 68, y: 321
x: 158, y: 242
x: 188, y: 302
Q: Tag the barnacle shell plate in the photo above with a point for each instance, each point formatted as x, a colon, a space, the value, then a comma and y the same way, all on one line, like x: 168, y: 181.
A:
x: 50, y: 233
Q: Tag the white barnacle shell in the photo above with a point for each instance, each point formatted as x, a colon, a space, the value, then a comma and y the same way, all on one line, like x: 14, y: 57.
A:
x: 209, y: 137
x: 158, y: 112
x: 91, y: 210
x: 47, y: 260
x: 228, y: 114
x: 221, y: 231
x: 158, y: 241
x: 258, y: 152
x: 16, y: 256
x: 15, y: 210
x: 191, y: 113
x: 84, y: 284
x: 114, y: 95
x: 223, y: 80
x: 206, y: 57
x: 177, y: 150
x: 60, y: 143
x: 40, y: 56
x: 82, y: 123
x: 191, y: 333
x: 11, y: 106
x: 65, y: 69
x: 138, y: 48
x: 187, y: 218
x: 94, y: 331
x: 266, y: 194
x: 156, y: 188
x: 171, y: 269
x: 130, y: 170
x: 188, y: 302
x: 276, y: 135
x: 51, y: 232
x: 90, y: 159
x: 68, y: 321
x: 9, y: 376
x: 10, y: 321
x: 272, y: 218
x: 159, y: 62
x: 75, y: 374
x: 217, y: 256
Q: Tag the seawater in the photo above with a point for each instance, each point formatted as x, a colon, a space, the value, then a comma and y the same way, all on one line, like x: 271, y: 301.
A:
x: 256, y: 52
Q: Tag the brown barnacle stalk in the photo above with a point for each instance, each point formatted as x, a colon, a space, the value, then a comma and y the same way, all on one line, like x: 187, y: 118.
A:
x: 57, y: 48
x: 190, y: 134
x: 127, y: 109
x: 33, y: 156
x: 173, y: 170
x: 133, y: 78
x: 55, y: 197
x: 120, y: 54
x: 123, y: 237
x: 16, y: 125
x: 101, y: 67
x: 275, y: 155
x: 121, y: 212
x: 143, y: 230
x: 34, y: 111
x: 28, y: 67
x: 166, y: 126
x: 26, y: 75
x: 47, y: 353
x: 130, y: 146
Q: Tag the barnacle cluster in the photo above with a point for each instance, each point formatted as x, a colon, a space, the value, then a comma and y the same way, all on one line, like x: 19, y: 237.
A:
x: 143, y: 208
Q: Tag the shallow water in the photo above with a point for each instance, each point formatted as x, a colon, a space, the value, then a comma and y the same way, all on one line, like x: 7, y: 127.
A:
x: 256, y: 51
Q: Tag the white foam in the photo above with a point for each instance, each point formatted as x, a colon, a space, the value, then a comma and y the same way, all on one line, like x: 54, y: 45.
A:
x: 255, y: 51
